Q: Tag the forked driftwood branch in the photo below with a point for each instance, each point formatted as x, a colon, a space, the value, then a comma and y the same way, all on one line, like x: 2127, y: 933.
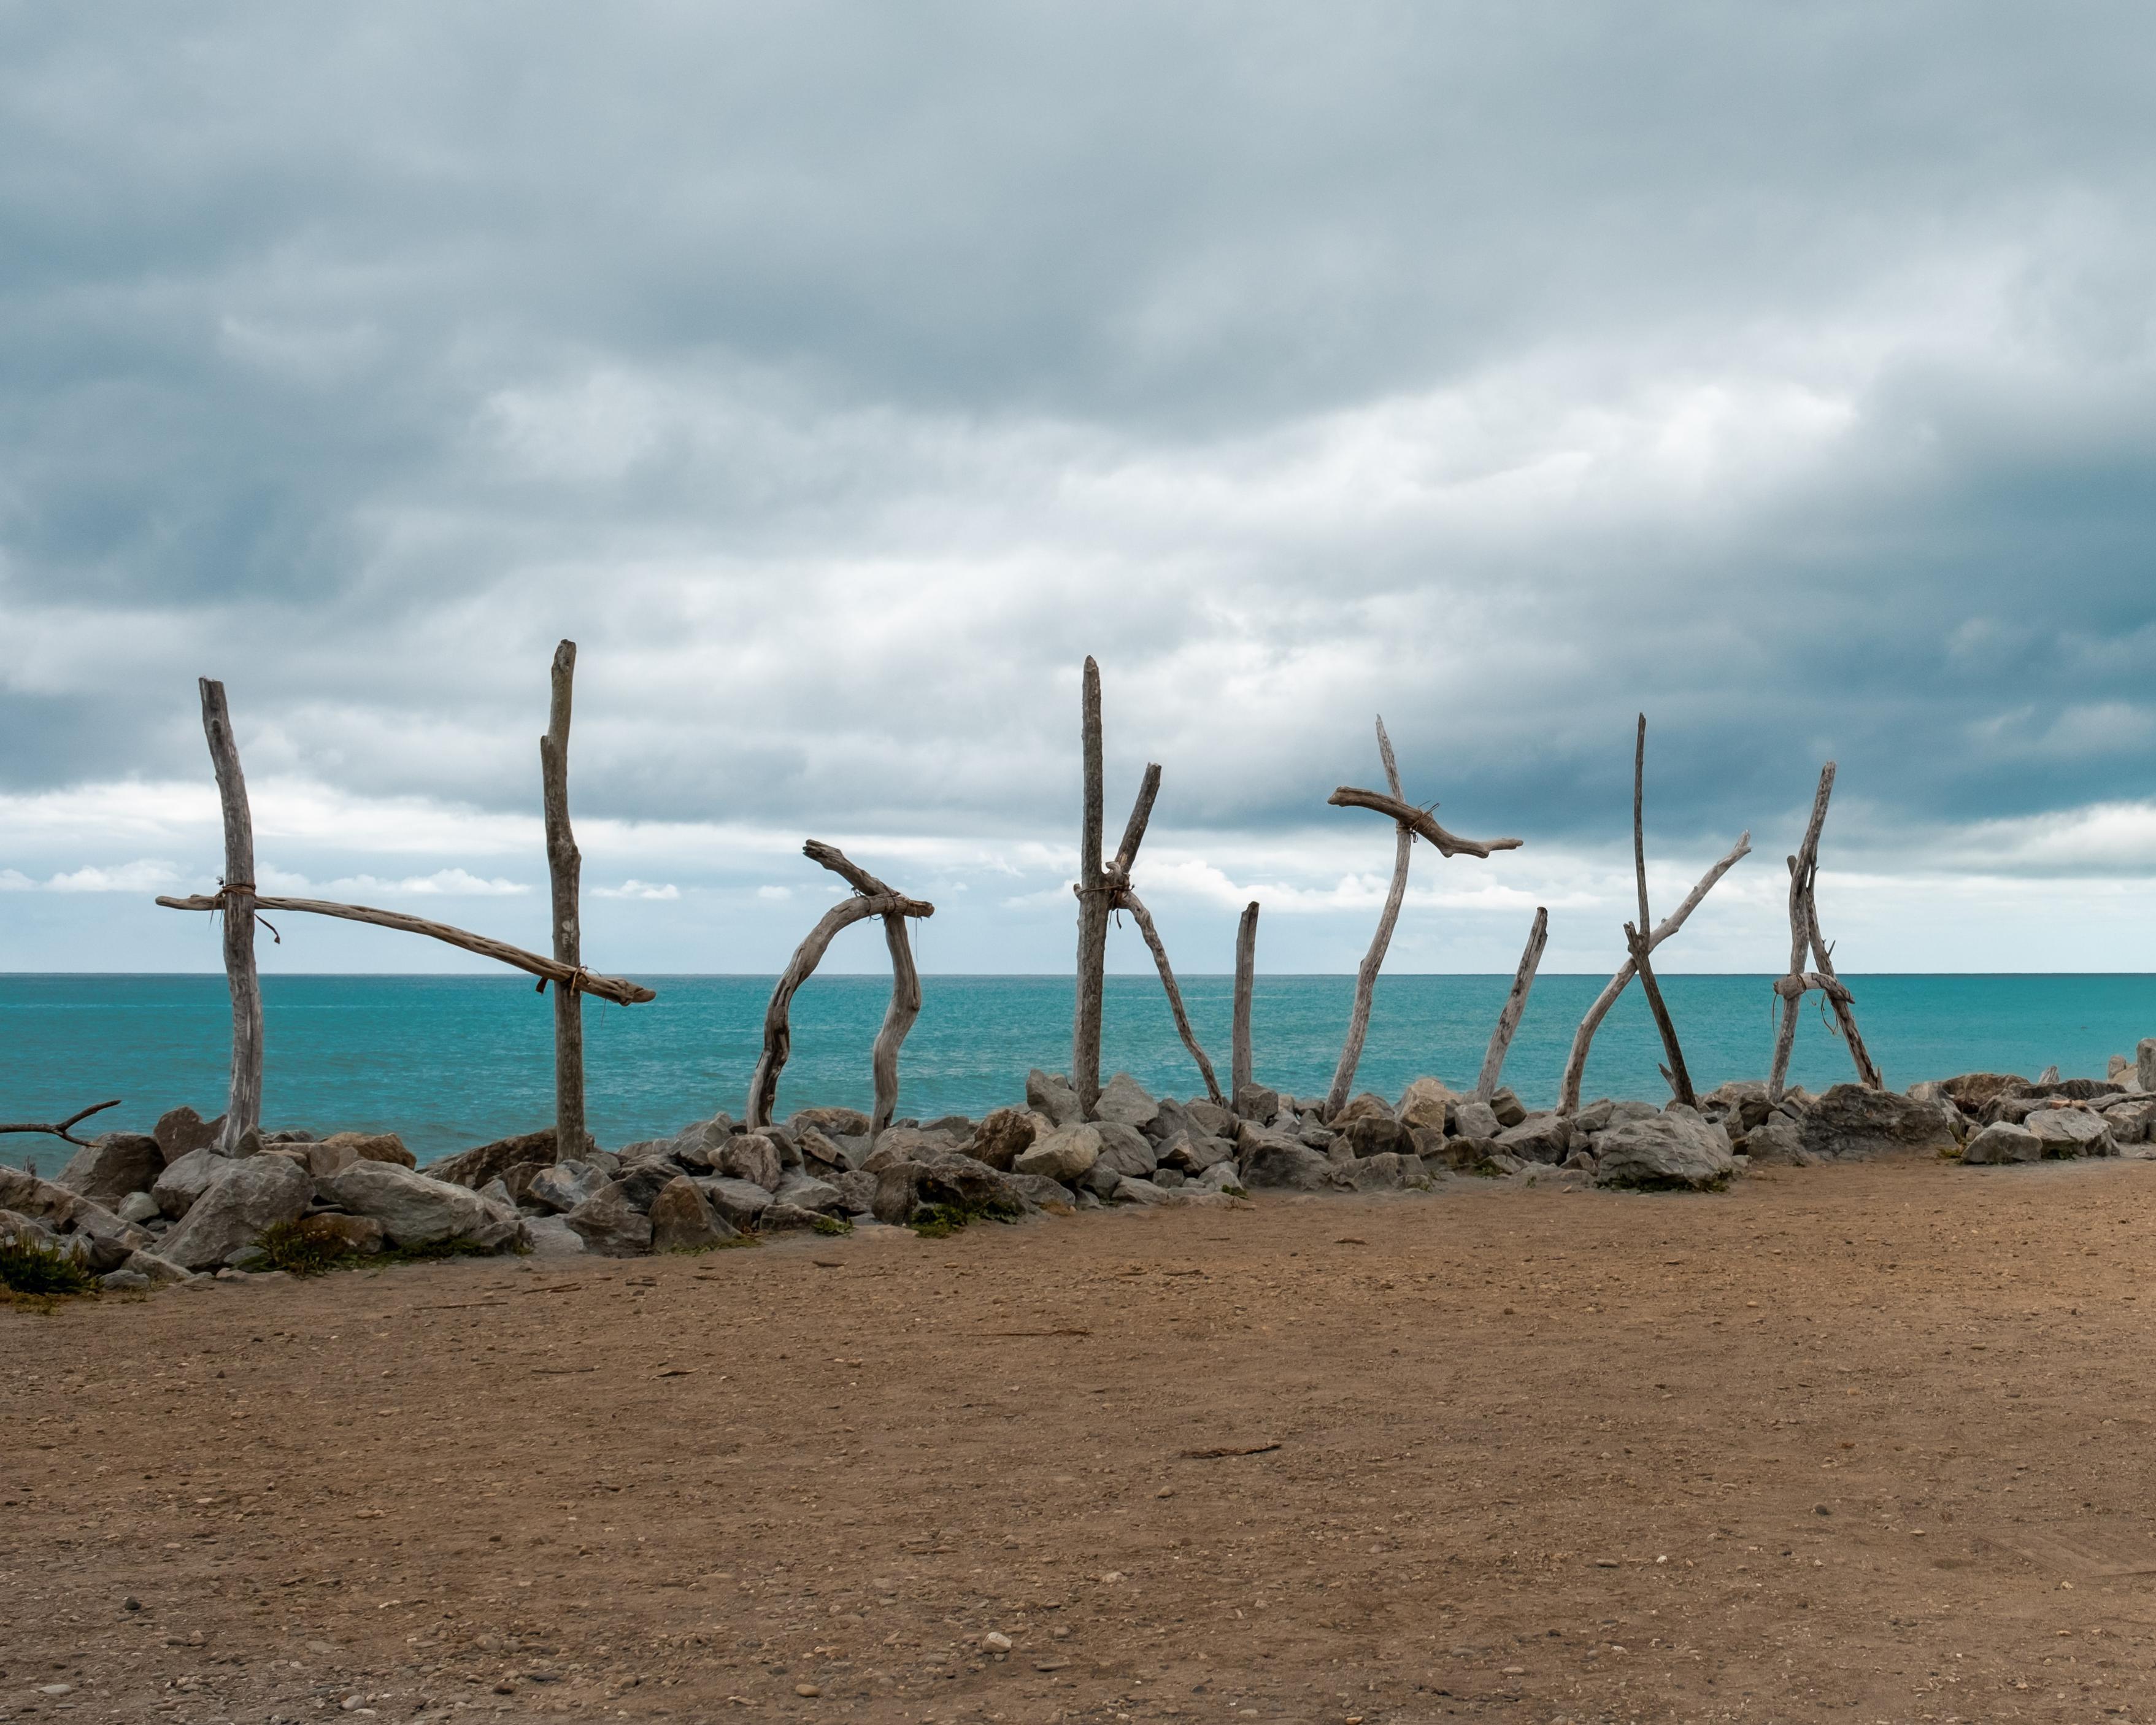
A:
x: 1515, y: 1003
x: 1246, y: 967
x: 59, y: 1128
x: 1636, y: 936
x: 565, y: 873
x: 237, y: 899
x: 1582, y: 1039
x: 1409, y: 821
x: 618, y: 989
x: 871, y: 898
x: 1103, y: 888
x: 1804, y: 935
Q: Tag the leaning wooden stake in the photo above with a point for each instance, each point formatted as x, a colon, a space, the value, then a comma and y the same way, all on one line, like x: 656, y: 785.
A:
x: 1247, y: 967
x: 61, y: 1128
x: 565, y: 869
x: 1515, y: 1003
x: 1805, y: 934
x: 1408, y: 822
x: 1636, y: 937
x: 236, y: 898
x: 1105, y: 887
x: 872, y: 898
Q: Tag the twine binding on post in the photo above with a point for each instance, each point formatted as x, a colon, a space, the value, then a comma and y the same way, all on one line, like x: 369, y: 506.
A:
x: 225, y: 887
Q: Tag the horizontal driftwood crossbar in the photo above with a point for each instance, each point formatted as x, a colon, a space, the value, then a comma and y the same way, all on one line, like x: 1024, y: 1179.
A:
x: 1420, y: 820
x: 615, y: 988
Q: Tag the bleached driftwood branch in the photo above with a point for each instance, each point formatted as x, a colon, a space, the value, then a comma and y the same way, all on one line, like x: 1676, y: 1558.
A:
x: 1804, y: 935
x: 59, y: 1128
x: 1636, y: 937
x: 1515, y: 1003
x: 1246, y: 966
x: 1424, y: 823
x: 565, y: 875
x: 1128, y: 900
x: 237, y: 900
x: 547, y: 970
x: 872, y: 898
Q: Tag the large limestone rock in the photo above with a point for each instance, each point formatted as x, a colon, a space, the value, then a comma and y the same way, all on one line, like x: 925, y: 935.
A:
x: 1851, y: 1123
x: 682, y: 1221
x: 417, y: 1210
x: 1123, y: 1102
x: 905, y: 1188
x: 1192, y: 1151
x: 1476, y: 1120
x: 610, y: 1225
x: 186, y: 1180
x: 1378, y: 1135
x: 2002, y: 1142
x: 808, y: 1192
x: 1051, y: 1094
x: 742, y: 1202
x: 180, y: 1130
x: 999, y: 1139
x: 1367, y: 1105
x: 820, y: 1152
x: 113, y: 1165
x: 1257, y: 1102
x: 2071, y: 1132
x: 2131, y: 1119
x: 1539, y: 1137
x: 475, y: 1167
x: 1126, y: 1150
x: 1272, y: 1160
x: 752, y: 1156
x: 1676, y: 1149
x: 340, y: 1150
x: 562, y: 1186
x: 1777, y: 1141
x: 1038, y: 1190
x: 1508, y: 1108
x: 832, y: 1122
x: 243, y: 1197
x: 1063, y: 1155
x: 641, y: 1182
x: 102, y: 1238
x: 1427, y: 1103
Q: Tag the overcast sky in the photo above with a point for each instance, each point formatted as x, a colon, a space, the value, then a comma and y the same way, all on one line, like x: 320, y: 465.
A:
x: 839, y: 377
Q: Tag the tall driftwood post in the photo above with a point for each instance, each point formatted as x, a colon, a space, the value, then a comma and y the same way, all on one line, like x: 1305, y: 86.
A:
x: 871, y: 898
x: 1105, y: 887
x: 235, y: 897
x: 1093, y: 894
x: 1515, y: 1003
x: 1804, y: 933
x: 565, y: 869
x: 1246, y: 968
x: 1636, y: 938
x: 1411, y: 822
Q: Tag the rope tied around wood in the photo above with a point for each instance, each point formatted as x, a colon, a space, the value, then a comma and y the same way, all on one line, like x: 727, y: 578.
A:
x: 226, y: 888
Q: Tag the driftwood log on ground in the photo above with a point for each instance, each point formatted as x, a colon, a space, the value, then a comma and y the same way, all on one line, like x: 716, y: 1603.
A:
x: 1515, y: 1003
x: 872, y: 898
x: 61, y: 1128
x: 615, y: 988
x: 1636, y: 937
x: 1246, y: 968
x: 1103, y: 888
x: 1805, y: 935
x: 1408, y: 822
x: 565, y: 873
x: 236, y: 897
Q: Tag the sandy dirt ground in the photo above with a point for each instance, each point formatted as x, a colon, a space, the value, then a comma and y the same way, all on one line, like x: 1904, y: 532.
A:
x: 1851, y: 1443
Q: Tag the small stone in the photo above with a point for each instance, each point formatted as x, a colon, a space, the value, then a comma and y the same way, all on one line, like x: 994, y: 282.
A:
x: 807, y: 1691
x: 130, y: 1603
x: 995, y: 1642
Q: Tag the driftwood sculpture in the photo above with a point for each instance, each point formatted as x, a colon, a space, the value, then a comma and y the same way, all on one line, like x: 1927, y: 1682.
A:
x: 61, y: 1128
x: 1803, y: 933
x: 1515, y: 1003
x: 1104, y: 888
x: 1575, y: 1065
x: 565, y: 875
x: 1247, y: 967
x: 871, y: 898
x: 1635, y: 938
x: 237, y: 898
x: 1411, y: 823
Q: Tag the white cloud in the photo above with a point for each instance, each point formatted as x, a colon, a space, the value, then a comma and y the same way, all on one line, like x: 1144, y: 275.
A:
x: 638, y: 889
x: 15, y: 880
x: 144, y: 877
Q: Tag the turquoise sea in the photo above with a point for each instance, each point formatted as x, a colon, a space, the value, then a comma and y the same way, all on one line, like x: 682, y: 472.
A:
x: 450, y: 1061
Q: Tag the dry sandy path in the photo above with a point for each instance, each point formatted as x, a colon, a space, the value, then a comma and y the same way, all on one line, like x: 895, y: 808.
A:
x: 1858, y: 1443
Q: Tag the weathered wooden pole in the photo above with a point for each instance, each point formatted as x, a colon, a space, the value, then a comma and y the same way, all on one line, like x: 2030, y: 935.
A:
x: 1246, y: 970
x: 1095, y: 897
x: 235, y: 897
x: 1366, y: 975
x: 1636, y: 938
x: 1804, y: 935
x: 872, y: 898
x: 565, y: 868
x: 1515, y: 1003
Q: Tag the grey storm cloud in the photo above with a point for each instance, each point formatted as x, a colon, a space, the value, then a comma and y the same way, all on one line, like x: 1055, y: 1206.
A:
x: 838, y: 376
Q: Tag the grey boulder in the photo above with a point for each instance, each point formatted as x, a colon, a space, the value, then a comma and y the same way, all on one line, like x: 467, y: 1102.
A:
x: 1474, y: 1120
x: 1123, y: 1102
x: 475, y: 1167
x: 682, y: 1220
x: 741, y: 1201
x: 243, y: 1197
x: 186, y: 1180
x: 2071, y: 1132
x: 806, y: 1192
x: 1063, y: 1155
x: 1676, y: 1149
x: 1539, y: 1137
x: 1850, y: 1122
x: 1124, y: 1149
x: 2002, y: 1142
x: 562, y: 1186
x: 111, y: 1167
x: 1051, y: 1094
x: 1003, y: 1137
x: 905, y: 1188
x: 752, y: 1156
x: 1380, y: 1135
x: 1271, y: 1160
x: 415, y: 1210
x: 610, y: 1224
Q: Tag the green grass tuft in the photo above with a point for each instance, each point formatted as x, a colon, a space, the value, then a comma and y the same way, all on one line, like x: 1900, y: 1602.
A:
x: 940, y: 1221
x: 300, y: 1251
x: 833, y: 1224
x: 42, y: 1272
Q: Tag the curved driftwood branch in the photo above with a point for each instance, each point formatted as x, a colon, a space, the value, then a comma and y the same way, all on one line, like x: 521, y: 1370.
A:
x: 237, y: 900
x: 1635, y: 938
x: 547, y: 970
x: 1095, y: 899
x: 1127, y: 899
x: 1366, y: 974
x: 59, y: 1128
x: 1247, y: 967
x: 1421, y: 820
x: 1134, y: 829
x: 565, y: 876
x: 1515, y: 1003
x: 873, y: 899
x: 1575, y: 1065
x: 1793, y: 988
x: 1805, y: 935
